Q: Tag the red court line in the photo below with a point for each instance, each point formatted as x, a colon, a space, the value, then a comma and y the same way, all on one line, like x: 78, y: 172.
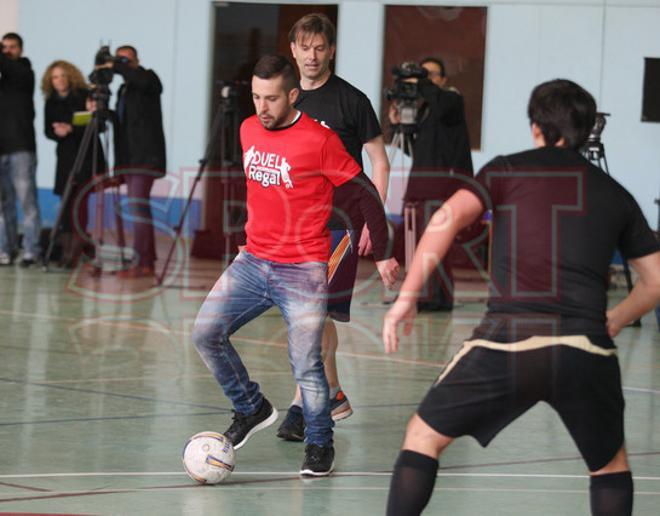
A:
x: 132, y: 491
x: 39, y: 514
x: 29, y: 488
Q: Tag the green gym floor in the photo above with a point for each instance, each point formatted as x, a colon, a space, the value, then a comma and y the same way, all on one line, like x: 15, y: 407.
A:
x: 101, y: 387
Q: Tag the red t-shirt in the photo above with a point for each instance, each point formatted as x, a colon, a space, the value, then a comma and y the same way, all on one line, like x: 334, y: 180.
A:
x: 291, y: 173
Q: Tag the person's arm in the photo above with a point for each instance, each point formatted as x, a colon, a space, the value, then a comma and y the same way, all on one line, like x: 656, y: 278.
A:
x: 374, y: 214
x: 380, y: 165
x: 49, y: 130
x: 17, y: 74
x: 644, y: 296
x: 380, y: 177
x: 444, y: 104
x: 461, y: 210
x: 139, y: 78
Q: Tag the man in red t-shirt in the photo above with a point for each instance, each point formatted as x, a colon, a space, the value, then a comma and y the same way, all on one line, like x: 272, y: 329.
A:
x: 292, y: 165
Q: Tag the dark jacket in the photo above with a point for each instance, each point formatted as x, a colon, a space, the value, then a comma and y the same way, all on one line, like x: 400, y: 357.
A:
x: 16, y: 105
x: 139, y: 137
x: 442, y: 144
x: 61, y: 109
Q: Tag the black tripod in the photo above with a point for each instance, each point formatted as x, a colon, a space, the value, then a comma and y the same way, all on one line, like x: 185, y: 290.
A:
x: 225, y: 126
x: 594, y: 151
x: 90, y: 137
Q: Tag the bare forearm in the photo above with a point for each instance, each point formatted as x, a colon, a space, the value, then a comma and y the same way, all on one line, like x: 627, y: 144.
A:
x: 381, y: 179
x: 432, y: 248
x: 641, y: 299
x: 380, y: 165
x: 459, y: 211
x: 644, y: 296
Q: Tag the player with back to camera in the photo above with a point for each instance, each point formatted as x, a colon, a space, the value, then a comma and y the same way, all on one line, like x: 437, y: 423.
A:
x: 292, y: 167
x: 547, y: 334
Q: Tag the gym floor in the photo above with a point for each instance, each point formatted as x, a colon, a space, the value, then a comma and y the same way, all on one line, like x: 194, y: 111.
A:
x: 101, y: 387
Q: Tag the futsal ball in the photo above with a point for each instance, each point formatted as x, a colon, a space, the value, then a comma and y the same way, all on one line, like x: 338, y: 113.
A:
x: 208, y: 458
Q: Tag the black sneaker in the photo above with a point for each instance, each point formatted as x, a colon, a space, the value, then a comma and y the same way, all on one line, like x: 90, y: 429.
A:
x: 319, y: 461
x: 244, y: 426
x: 293, y: 426
x: 27, y: 262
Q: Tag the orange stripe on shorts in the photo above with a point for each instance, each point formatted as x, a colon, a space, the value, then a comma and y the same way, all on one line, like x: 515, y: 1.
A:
x: 338, y: 255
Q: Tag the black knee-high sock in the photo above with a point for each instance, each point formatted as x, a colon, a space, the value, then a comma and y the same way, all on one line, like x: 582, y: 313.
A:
x: 412, y: 484
x: 611, y: 495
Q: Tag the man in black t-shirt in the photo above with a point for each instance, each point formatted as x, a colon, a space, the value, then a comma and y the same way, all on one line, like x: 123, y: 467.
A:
x: 547, y: 334
x: 346, y: 110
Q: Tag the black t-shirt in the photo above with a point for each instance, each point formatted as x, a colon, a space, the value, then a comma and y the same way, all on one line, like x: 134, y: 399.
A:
x: 347, y: 111
x: 557, y: 221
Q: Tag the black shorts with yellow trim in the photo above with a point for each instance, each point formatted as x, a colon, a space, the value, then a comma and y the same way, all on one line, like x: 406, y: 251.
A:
x: 342, y: 270
x: 487, y: 385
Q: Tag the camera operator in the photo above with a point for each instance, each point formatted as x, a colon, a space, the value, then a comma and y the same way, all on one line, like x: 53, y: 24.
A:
x: 139, y: 150
x: 440, y: 149
x: 18, y: 159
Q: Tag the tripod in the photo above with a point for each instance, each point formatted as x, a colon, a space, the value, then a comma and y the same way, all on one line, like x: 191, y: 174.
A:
x: 90, y: 137
x: 594, y: 151
x: 225, y: 124
x: 402, y: 141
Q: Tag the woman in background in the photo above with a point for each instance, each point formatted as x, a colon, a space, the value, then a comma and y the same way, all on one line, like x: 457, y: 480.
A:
x: 66, y: 92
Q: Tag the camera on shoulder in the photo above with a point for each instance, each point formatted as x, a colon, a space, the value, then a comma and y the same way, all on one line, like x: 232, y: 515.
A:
x: 406, y: 93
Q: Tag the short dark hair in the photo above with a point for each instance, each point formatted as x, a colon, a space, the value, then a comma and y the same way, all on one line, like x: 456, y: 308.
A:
x: 435, y: 60
x: 128, y: 47
x: 562, y: 109
x: 271, y: 66
x: 15, y: 37
x: 314, y: 23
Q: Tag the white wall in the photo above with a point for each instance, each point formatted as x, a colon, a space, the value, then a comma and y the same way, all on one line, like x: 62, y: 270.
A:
x: 172, y: 38
x: 598, y: 43
x: 8, y: 16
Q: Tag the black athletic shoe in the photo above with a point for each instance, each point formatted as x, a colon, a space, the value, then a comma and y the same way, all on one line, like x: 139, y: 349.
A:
x: 293, y: 426
x: 319, y: 461
x: 244, y: 426
x: 27, y: 262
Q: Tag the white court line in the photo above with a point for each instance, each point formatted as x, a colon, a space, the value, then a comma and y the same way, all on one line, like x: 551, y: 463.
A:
x: 639, y: 389
x: 306, y: 488
x: 295, y: 473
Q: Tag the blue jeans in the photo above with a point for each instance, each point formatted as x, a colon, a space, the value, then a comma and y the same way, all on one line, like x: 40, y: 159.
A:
x: 18, y: 179
x: 248, y: 288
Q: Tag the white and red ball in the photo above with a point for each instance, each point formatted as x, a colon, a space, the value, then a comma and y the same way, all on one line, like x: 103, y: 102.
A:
x: 208, y: 458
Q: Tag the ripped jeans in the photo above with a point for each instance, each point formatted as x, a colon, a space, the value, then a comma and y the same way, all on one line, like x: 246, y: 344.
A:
x: 248, y: 288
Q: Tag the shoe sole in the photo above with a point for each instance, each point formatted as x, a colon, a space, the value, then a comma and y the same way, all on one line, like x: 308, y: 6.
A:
x: 264, y: 424
x: 310, y: 473
x: 342, y: 413
x: 291, y: 437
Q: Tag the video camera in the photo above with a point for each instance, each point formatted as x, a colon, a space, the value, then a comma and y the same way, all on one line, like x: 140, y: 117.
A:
x: 597, y: 129
x: 403, y: 90
x: 406, y: 93
x: 102, y: 77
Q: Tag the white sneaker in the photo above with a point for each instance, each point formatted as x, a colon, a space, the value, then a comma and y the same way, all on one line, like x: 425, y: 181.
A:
x: 5, y: 259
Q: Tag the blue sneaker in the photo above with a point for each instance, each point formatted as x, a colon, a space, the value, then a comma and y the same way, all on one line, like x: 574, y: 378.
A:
x: 340, y: 407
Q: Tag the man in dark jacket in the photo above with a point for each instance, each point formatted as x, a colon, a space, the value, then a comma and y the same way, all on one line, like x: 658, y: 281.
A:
x: 139, y: 150
x: 441, y: 155
x: 17, y: 153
